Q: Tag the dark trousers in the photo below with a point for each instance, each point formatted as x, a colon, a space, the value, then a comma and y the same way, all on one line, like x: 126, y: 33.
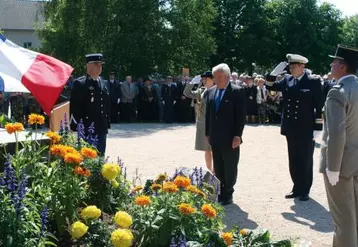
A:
x: 300, y: 154
x: 114, y: 112
x: 226, y: 167
x: 127, y: 112
x: 102, y: 142
x: 168, y: 112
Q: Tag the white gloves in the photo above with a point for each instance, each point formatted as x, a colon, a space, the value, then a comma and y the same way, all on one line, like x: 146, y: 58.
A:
x: 196, y: 80
x: 118, y: 100
x: 333, y: 177
x: 280, y: 69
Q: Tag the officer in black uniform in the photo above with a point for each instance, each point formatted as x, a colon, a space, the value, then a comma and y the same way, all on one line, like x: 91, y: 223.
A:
x: 90, y: 101
x: 303, y: 100
x: 169, y: 95
x: 115, y: 95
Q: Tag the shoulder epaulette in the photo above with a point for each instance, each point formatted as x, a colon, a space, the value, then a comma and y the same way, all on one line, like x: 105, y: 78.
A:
x: 338, y: 86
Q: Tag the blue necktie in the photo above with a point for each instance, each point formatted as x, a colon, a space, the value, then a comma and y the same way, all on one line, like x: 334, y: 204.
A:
x: 218, y: 99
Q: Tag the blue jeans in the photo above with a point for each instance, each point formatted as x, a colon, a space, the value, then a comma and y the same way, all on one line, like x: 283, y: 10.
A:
x: 101, y: 146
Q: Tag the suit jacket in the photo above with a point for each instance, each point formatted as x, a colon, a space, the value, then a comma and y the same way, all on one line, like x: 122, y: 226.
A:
x: 340, y: 134
x: 129, y: 92
x: 302, y: 104
x: 114, y: 91
x: 145, y: 93
x: 258, y: 95
x: 90, y: 102
x: 229, y: 121
x: 169, y: 93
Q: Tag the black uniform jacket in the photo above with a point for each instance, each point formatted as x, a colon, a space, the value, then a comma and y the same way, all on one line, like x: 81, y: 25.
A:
x: 90, y: 102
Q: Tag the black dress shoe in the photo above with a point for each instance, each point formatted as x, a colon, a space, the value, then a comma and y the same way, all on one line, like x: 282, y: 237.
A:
x: 226, y: 202
x: 291, y: 195
x: 304, y: 198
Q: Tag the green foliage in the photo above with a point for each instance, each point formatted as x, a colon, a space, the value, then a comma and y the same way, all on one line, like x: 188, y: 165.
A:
x: 262, y: 237
x: 350, y: 31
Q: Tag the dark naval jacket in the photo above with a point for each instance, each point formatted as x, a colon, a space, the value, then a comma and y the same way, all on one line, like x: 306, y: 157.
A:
x: 90, y: 102
x: 303, y: 101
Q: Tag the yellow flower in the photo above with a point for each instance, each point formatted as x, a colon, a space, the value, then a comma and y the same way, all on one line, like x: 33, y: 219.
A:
x: 73, y: 158
x: 170, y: 187
x: 156, y: 187
x: 91, y: 212
x: 110, y: 171
x: 114, y: 183
x: 143, y: 200
x: 89, y: 153
x: 122, y: 238
x: 195, y: 190
x: 244, y: 232
x: 201, y: 193
x: 36, y: 119
x: 208, y: 211
x: 78, y: 229
x: 182, y: 182
x: 123, y: 219
x: 162, y: 177
x: 227, y: 236
x: 14, y: 127
x: 54, y: 137
x: 186, y: 209
x: 137, y: 188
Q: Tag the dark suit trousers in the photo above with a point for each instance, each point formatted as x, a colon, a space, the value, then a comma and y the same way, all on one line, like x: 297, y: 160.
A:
x: 114, y: 112
x: 102, y: 143
x: 127, y: 112
x: 226, y: 165
x: 300, y: 154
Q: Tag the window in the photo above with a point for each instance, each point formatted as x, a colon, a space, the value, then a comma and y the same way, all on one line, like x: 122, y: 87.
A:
x: 27, y: 44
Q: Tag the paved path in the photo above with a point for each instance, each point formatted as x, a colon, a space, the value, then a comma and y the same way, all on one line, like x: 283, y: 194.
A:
x: 262, y: 183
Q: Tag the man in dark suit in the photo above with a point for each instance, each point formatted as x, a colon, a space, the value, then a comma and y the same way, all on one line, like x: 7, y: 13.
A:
x: 169, y: 95
x: 90, y: 101
x: 115, y: 95
x: 224, y: 124
x: 303, y: 100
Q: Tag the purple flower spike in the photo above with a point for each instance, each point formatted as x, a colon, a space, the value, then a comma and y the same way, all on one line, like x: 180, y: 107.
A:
x: 44, y: 219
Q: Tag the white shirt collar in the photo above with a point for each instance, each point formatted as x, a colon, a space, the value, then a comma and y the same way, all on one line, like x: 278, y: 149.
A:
x: 299, y: 78
x: 344, y: 77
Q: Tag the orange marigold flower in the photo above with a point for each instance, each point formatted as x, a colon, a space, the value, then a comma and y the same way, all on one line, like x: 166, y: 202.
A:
x: 86, y: 172
x: 14, y: 127
x: 182, y: 182
x: 186, y: 209
x: 201, y: 193
x: 89, y: 153
x: 54, y: 137
x: 78, y: 170
x: 143, y: 200
x: 68, y: 150
x: 244, y: 232
x: 192, y: 188
x: 56, y: 149
x: 73, y: 158
x: 170, y: 187
x: 227, y: 236
x: 208, y: 211
x: 36, y: 119
x: 156, y: 187
x: 137, y: 188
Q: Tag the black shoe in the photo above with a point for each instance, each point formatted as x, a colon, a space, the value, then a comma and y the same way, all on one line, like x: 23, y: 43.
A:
x: 291, y: 195
x: 304, y: 198
x: 226, y: 202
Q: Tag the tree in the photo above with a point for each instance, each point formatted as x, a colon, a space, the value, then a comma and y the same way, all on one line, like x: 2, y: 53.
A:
x: 350, y: 31
x: 305, y: 28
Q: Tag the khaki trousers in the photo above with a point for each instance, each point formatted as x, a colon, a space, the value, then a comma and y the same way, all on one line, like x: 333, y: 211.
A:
x: 343, y: 204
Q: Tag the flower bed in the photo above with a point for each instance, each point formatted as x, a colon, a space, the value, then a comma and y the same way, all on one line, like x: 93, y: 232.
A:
x: 64, y: 194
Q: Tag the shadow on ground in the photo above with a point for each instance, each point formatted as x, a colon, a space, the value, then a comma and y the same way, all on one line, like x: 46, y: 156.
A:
x: 311, y: 214
x: 141, y: 129
x: 235, y: 216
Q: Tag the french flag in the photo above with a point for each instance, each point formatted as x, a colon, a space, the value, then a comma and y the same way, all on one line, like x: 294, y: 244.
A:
x: 23, y: 70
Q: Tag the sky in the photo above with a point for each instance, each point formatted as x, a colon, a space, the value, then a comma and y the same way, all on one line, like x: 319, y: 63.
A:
x: 348, y: 7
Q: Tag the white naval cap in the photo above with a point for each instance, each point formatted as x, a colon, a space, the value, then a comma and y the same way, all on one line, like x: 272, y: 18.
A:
x: 295, y: 58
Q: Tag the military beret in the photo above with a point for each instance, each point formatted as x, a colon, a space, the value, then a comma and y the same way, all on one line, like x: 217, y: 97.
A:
x: 295, y: 58
x: 207, y: 74
x: 94, y: 58
x: 347, y: 54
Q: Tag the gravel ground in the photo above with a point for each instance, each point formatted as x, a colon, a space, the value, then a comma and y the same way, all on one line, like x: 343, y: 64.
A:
x: 262, y: 183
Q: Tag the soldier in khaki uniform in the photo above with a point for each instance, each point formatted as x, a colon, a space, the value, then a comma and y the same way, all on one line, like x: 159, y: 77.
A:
x: 339, y: 154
